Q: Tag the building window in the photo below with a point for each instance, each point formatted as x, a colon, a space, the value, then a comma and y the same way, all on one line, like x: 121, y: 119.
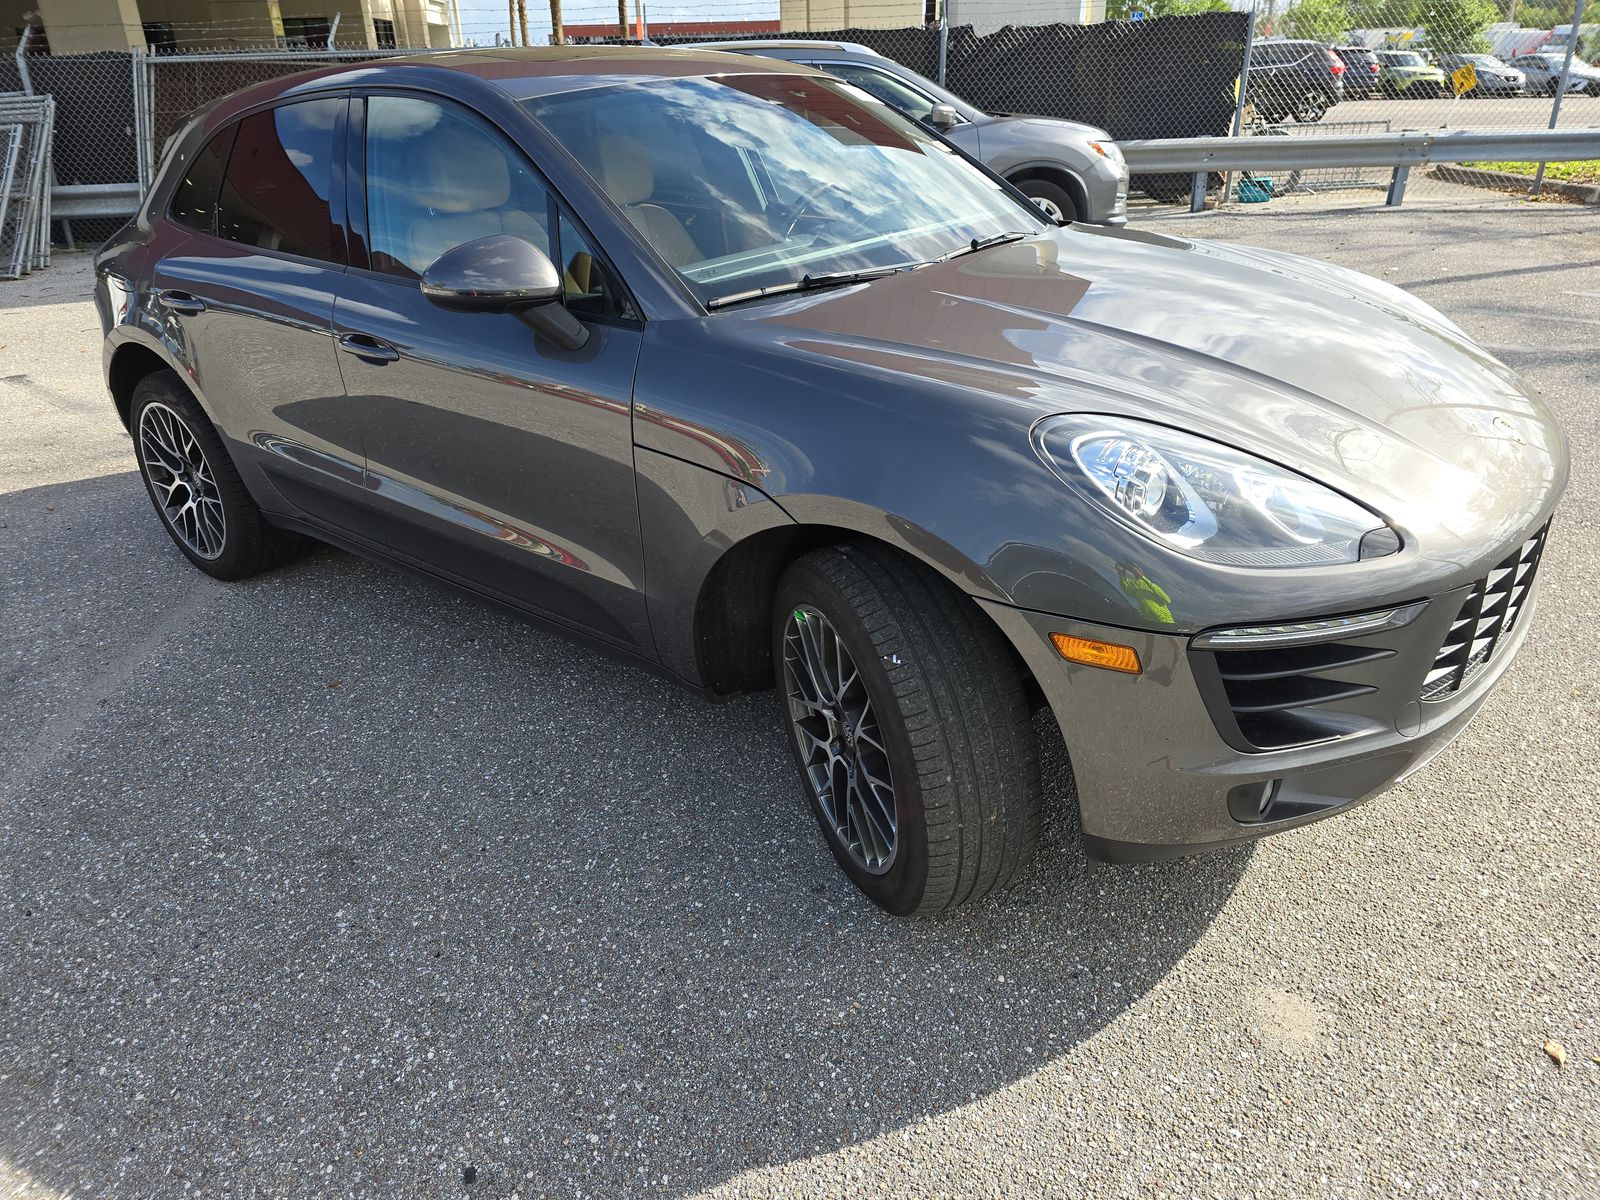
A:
x: 159, y: 37
x: 383, y: 33
x: 38, y: 39
x: 310, y: 32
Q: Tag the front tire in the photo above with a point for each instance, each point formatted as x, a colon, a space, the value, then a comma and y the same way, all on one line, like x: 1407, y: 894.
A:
x: 910, y: 726
x: 1051, y: 199
x: 197, y: 492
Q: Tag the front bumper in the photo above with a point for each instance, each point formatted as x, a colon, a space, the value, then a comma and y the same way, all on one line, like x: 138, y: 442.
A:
x: 1157, y: 778
x: 1107, y: 193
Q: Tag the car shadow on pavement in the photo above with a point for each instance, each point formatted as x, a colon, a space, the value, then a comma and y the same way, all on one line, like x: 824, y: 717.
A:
x: 335, y: 882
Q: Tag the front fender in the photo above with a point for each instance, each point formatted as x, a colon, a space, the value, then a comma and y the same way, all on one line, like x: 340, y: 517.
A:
x: 903, y: 533
x: 1009, y: 147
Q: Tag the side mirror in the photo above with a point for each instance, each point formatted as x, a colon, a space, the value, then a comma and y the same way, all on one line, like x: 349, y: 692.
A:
x: 944, y: 117
x: 503, y: 273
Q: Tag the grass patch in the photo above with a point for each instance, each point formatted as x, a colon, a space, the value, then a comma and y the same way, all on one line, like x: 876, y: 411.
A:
x: 1584, y: 170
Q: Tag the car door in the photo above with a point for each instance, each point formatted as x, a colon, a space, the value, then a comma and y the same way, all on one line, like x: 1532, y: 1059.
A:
x: 250, y: 295
x: 495, y: 457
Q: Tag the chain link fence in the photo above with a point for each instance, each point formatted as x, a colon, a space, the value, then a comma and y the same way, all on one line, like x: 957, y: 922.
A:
x: 175, y: 85
x: 25, y: 125
x: 1316, y: 65
x: 1137, y: 68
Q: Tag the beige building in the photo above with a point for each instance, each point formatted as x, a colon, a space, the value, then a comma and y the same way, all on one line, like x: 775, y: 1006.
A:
x: 807, y: 16
x: 83, y: 26
x: 985, y: 16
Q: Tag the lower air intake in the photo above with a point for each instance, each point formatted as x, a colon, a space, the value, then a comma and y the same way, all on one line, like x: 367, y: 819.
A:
x: 1487, y: 616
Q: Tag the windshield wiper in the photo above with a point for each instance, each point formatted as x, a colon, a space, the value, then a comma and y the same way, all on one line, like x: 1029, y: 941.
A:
x: 998, y: 239
x: 810, y: 283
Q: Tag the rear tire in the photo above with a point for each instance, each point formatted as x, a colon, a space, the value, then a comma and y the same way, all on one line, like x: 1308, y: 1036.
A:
x: 939, y: 707
x: 1053, y: 200
x: 197, y: 492
x: 1311, y: 109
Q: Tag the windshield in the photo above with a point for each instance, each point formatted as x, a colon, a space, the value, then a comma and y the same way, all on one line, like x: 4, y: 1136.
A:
x: 1403, y: 60
x: 749, y: 182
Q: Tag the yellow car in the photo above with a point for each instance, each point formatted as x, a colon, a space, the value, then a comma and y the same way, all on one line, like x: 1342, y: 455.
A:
x: 1405, y: 73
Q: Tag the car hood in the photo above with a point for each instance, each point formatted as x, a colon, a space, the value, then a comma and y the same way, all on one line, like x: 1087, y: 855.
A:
x: 1332, y: 373
x: 1049, y: 127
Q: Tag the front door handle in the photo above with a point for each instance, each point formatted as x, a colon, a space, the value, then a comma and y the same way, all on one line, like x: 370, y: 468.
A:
x: 367, y: 348
x: 182, y: 302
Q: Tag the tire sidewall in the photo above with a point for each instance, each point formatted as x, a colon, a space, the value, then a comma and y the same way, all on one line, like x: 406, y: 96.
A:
x: 900, y: 889
x: 160, y: 388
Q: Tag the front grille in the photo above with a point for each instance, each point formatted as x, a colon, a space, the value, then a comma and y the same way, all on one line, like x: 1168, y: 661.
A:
x: 1486, y: 616
x: 1275, y: 694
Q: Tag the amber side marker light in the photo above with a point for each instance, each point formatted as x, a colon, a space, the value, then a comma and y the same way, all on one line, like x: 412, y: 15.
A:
x: 1091, y: 653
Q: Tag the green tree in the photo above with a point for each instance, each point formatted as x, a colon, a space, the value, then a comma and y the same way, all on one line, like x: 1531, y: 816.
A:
x: 1456, y: 26
x: 1317, y: 20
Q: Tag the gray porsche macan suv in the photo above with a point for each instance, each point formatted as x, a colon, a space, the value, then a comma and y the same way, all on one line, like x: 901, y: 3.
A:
x: 733, y: 370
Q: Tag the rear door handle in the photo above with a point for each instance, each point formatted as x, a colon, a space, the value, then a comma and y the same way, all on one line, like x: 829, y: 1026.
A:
x: 367, y: 348
x: 182, y: 302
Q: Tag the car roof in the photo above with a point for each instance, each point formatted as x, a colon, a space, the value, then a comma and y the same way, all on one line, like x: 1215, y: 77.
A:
x: 546, y: 62
x: 520, y: 72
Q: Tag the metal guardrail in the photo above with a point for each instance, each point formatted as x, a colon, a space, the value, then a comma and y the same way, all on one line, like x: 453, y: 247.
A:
x: 1398, y: 151
x: 76, y: 201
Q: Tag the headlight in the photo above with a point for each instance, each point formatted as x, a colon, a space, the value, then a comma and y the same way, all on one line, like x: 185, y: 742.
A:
x: 1208, y: 500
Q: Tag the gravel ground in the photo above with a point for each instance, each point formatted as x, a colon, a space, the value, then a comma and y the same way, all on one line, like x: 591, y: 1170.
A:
x: 330, y: 883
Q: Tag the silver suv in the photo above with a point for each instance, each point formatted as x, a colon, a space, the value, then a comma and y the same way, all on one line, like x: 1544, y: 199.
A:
x: 1073, y: 172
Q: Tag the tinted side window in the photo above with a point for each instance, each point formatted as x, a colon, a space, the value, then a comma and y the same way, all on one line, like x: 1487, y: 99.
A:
x: 194, y: 203
x: 280, y: 178
x: 885, y: 87
x: 437, y: 178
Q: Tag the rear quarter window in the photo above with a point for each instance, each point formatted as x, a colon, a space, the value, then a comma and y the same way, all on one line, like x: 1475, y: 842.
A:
x: 194, y: 200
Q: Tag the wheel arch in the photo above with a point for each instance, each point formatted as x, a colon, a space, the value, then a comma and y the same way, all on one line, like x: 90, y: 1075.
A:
x: 1063, y: 177
x: 131, y: 362
x: 733, y: 611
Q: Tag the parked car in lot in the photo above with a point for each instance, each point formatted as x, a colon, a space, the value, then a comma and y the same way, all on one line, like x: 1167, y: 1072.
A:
x: 1073, y: 172
x: 1297, y: 81
x: 1360, y: 71
x: 1543, y: 72
x: 1494, y: 77
x: 738, y: 373
x: 1406, y: 74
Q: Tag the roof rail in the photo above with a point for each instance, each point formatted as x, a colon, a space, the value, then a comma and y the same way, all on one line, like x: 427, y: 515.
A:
x: 755, y: 44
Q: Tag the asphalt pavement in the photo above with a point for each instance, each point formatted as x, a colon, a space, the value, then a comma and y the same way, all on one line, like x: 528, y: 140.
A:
x: 330, y: 883
x: 1469, y: 112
